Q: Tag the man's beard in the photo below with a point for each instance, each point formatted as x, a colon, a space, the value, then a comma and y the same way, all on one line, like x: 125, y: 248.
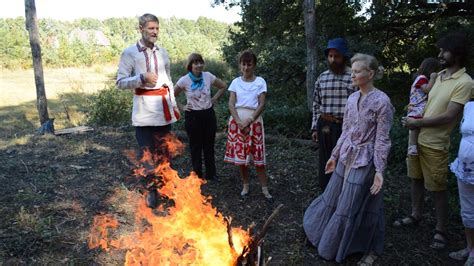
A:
x: 447, y: 63
x: 337, y: 68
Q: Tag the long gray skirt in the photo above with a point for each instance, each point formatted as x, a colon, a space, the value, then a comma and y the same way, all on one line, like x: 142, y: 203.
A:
x: 346, y: 218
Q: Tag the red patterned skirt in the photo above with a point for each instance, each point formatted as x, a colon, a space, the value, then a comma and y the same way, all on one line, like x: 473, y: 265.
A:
x: 241, y: 148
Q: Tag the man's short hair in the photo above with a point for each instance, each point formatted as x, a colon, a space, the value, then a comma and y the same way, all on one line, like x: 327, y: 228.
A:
x: 457, y: 43
x: 145, y: 18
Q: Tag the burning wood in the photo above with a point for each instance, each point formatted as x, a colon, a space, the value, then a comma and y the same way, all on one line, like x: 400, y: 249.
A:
x: 252, y: 254
x: 191, y: 232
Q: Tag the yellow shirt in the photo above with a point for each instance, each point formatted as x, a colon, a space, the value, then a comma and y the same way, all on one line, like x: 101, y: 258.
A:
x: 457, y: 88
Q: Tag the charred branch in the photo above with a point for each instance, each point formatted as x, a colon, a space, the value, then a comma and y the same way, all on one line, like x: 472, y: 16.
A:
x: 252, y: 254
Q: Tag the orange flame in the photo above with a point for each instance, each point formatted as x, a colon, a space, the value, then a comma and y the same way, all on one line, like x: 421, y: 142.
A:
x: 190, y: 232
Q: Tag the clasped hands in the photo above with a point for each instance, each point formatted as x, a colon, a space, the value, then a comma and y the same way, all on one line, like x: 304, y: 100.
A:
x: 378, y: 177
x: 244, y: 125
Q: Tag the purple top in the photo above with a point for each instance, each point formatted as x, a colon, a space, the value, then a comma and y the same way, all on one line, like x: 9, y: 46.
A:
x: 365, y: 131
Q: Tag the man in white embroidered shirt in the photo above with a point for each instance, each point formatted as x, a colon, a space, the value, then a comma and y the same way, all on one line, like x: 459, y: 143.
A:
x: 145, y: 68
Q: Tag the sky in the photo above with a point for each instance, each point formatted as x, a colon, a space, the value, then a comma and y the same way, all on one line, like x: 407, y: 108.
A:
x: 102, y: 9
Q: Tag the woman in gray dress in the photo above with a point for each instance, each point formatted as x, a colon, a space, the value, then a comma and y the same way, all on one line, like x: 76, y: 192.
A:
x: 348, y: 217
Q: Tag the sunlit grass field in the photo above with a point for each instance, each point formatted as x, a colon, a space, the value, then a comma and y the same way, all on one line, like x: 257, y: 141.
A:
x: 18, y: 86
x: 67, y: 91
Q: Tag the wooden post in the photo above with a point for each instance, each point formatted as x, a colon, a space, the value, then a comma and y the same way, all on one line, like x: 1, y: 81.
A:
x: 32, y: 27
x: 311, y: 52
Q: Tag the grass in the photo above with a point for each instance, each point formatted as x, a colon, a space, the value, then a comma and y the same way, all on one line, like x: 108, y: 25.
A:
x: 67, y: 90
x: 18, y: 86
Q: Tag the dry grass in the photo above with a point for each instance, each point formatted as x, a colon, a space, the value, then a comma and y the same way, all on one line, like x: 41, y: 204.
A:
x: 18, y: 86
x: 67, y: 90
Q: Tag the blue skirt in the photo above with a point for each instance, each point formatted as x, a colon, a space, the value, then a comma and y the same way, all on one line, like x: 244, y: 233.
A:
x: 346, y: 218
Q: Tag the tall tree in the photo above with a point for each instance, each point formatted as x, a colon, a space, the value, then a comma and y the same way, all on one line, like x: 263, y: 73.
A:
x: 288, y: 37
x: 311, y: 52
x: 407, y: 31
x: 32, y: 27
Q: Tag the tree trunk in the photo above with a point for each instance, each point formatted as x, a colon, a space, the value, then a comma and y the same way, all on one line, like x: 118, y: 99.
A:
x: 311, y: 52
x: 32, y: 27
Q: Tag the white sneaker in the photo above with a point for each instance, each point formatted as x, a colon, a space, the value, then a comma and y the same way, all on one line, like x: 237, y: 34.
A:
x: 245, y: 190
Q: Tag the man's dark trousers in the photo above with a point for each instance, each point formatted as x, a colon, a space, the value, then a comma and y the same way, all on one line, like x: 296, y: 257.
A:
x: 328, y: 134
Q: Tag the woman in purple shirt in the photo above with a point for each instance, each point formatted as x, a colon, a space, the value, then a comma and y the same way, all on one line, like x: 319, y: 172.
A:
x: 348, y: 217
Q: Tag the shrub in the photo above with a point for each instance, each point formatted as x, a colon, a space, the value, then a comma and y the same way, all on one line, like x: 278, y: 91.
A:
x: 398, y: 150
x: 217, y: 67
x: 290, y: 121
x: 110, y: 107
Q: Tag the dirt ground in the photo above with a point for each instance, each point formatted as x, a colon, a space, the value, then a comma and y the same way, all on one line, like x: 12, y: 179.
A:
x: 52, y: 187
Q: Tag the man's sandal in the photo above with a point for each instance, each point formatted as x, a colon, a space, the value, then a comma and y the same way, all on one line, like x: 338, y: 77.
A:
x: 439, y: 243
x: 469, y: 261
x: 460, y: 255
x: 407, y: 221
x: 367, y: 260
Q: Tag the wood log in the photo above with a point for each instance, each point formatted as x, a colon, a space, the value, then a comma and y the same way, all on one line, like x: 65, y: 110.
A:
x: 263, y: 232
x: 228, y: 221
x: 252, y: 254
x: 73, y: 130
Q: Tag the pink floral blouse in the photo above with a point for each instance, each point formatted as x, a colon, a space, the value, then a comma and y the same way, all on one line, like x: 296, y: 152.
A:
x: 365, y: 131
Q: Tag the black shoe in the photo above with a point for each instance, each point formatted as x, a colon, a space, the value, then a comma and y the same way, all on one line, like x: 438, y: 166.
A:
x: 151, y: 199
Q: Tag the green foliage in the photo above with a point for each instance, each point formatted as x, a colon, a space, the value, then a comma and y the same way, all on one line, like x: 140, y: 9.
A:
x: 399, y: 34
x: 217, y: 67
x: 65, y: 44
x: 182, y: 37
x: 275, y: 31
x: 290, y: 121
x: 14, y: 44
x: 398, y: 151
x: 111, y: 107
x: 407, y: 32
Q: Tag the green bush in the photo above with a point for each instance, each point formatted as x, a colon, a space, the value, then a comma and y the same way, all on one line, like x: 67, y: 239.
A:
x: 398, y: 151
x: 110, y: 107
x: 222, y: 112
x: 290, y: 121
x: 216, y: 66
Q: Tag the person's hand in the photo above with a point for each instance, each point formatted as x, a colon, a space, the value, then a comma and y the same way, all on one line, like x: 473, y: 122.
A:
x: 410, y: 123
x: 377, y: 185
x: 248, y: 121
x: 244, y: 123
x: 150, y: 78
x: 330, y: 166
x: 314, y: 136
x: 177, y: 114
x: 241, y: 124
x: 433, y: 76
x: 182, y: 107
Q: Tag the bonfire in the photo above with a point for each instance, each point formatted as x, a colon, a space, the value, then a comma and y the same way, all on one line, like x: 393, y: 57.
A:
x: 188, y: 232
